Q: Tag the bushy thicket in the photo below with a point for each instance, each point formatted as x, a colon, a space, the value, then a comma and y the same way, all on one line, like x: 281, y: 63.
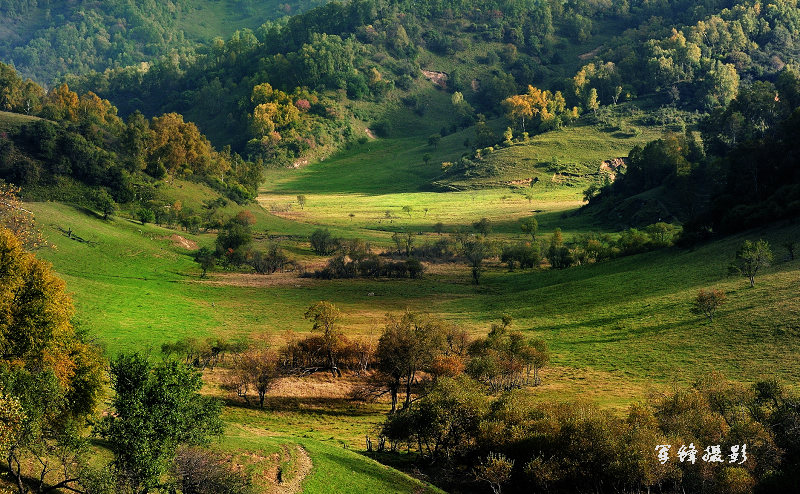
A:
x: 744, y: 173
x: 577, y: 447
x: 82, y: 138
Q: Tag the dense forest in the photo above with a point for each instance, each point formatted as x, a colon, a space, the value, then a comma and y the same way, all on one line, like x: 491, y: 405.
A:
x: 46, y: 40
x: 663, y: 54
x: 286, y: 91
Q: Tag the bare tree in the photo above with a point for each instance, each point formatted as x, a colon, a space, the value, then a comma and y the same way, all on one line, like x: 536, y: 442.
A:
x: 254, y: 370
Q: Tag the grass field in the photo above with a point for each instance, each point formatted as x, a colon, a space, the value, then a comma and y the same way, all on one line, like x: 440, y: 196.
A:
x: 134, y: 289
x: 10, y: 122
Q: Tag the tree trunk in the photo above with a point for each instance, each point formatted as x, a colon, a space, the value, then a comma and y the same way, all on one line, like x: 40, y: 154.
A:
x: 393, y: 392
x: 407, y: 403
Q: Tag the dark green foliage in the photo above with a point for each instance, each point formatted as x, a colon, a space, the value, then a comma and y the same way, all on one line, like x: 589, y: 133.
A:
x: 791, y: 248
x: 145, y: 215
x: 156, y: 409
x: 558, y: 254
x: 233, y: 241
x: 105, y: 203
x: 483, y: 227
x: 505, y: 359
x: 745, y: 176
x: 575, y: 447
x: 475, y: 251
x: 752, y: 257
x: 56, y: 38
x: 409, y: 346
x: 274, y: 259
x: 658, y: 160
x: 370, y: 266
x: 85, y: 140
x: 206, y: 258
x: 523, y: 255
x: 444, y: 423
x: 322, y: 242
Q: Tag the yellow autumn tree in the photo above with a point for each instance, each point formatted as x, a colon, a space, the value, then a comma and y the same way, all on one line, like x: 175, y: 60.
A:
x: 274, y: 111
x: 61, y: 104
x: 181, y: 148
x: 544, y: 108
x: 50, y: 379
x: 518, y: 108
x: 94, y: 109
x: 16, y: 218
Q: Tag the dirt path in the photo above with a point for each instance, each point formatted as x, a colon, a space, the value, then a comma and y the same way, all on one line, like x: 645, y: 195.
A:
x: 591, y: 54
x: 304, y: 464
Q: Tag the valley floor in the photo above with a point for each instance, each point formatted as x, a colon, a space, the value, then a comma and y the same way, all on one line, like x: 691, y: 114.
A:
x: 619, y: 331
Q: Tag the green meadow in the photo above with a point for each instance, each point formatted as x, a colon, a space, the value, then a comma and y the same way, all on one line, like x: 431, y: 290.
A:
x: 618, y: 330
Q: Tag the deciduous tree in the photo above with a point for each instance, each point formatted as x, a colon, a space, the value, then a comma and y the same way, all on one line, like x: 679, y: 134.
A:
x: 324, y: 317
x: 50, y: 379
x: 156, y: 408
x: 751, y: 257
x: 16, y: 218
x: 707, y: 302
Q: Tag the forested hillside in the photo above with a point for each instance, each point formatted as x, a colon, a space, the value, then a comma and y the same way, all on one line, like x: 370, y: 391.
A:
x: 693, y: 56
x: 61, y: 146
x: 47, y: 39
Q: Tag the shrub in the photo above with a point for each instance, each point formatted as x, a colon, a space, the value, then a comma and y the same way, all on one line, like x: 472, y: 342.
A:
x: 323, y: 243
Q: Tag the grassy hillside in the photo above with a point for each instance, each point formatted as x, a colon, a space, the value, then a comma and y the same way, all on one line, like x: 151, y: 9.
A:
x: 569, y: 156
x: 13, y: 121
x: 629, y: 317
x: 331, y: 469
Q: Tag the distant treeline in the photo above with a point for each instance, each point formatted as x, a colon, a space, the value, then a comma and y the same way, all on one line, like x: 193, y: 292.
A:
x: 51, y: 39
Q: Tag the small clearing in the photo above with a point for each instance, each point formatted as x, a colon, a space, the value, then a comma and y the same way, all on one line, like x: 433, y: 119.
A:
x: 438, y: 78
x: 591, y: 54
x: 182, y: 242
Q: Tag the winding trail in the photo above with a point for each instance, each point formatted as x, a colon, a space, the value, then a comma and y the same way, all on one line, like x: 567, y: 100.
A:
x: 304, y: 465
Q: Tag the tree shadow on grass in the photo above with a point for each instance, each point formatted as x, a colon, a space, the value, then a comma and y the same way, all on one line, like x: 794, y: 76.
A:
x: 312, y: 406
x: 355, y: 466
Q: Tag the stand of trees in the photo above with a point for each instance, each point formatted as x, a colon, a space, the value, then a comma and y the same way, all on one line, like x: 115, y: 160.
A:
x: 52, y: 385
x: 744, y: 174
x: 575, y: 446
x: 82, y: 139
